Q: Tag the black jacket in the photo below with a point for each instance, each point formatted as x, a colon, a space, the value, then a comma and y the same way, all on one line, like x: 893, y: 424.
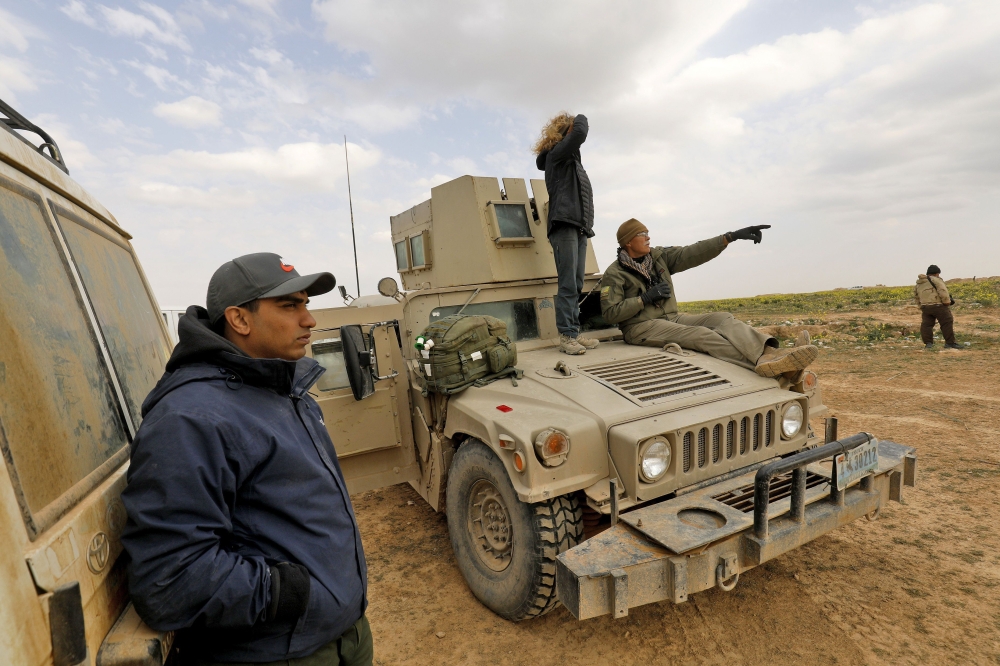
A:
x: 571, y: 198
x: 232, y: 471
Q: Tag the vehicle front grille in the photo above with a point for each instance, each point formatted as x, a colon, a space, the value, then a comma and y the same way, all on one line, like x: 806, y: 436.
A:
x: 755, y: 432
x: 652, y: 378
x: 781, y: 487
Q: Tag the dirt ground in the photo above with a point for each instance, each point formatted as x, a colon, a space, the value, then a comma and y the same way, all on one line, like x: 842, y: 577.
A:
x: 920, y: 585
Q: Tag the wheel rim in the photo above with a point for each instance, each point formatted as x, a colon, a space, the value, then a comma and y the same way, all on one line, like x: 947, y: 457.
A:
x: 490, y: 525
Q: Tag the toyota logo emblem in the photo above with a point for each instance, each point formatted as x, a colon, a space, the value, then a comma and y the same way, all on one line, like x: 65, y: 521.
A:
x: 98, y: 552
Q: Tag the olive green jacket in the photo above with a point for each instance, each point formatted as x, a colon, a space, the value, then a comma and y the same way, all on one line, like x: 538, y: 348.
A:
x: 622, y: 288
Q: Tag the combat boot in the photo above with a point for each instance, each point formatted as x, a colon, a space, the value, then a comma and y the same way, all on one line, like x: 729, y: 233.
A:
x: 589, y: 343
x: 777, y: 361
x: 568, y: 345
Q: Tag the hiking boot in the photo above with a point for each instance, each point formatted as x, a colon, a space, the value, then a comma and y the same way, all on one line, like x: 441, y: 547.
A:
x: 928, y: 347
x: 589, y: 343
x: 803, y: 338
x: 776, y: 361
x: 568, y: 345
x: 953, y: 345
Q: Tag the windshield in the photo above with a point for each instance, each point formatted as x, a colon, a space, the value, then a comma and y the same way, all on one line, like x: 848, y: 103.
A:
x: 520, y: 316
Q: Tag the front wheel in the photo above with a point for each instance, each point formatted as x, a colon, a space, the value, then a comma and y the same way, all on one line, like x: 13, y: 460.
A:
x: 506, y: 549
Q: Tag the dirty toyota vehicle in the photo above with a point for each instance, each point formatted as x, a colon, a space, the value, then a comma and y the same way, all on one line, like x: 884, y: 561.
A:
x: 622, y: 477
x: 81, y: 344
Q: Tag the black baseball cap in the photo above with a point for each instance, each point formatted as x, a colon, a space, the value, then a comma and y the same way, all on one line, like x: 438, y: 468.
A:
x: 259, y: 275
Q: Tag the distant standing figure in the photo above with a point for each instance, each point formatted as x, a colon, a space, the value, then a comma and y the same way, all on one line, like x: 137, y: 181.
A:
x: 935, y: 303
x: 570, y: 220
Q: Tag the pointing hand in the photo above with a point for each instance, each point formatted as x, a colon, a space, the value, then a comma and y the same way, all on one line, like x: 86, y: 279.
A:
x: 748, y: 233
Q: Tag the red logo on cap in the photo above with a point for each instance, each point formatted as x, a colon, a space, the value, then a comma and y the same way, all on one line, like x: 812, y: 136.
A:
x: 285, y: 267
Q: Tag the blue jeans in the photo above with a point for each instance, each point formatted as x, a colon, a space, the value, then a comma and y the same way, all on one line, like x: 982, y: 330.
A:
x: 569, y: 245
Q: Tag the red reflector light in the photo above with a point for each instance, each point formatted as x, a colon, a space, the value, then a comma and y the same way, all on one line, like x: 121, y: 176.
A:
x: 505, y: 408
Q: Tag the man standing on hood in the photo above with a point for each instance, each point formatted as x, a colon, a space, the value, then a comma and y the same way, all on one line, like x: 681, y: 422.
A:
x: 240, y: 532
x: 570, y: 220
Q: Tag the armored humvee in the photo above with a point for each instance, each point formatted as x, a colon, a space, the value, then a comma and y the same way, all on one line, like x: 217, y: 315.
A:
x: 622, y: 477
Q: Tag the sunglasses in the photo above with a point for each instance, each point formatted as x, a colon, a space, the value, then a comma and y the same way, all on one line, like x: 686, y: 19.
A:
x: 644, y: 234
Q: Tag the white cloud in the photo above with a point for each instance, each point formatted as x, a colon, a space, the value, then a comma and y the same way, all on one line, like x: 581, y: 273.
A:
x: 308, y: 166
x: 15, y: 75
x: 192, y: 112
x: 521, y: 53
x: 77, y: 10
x: 178, y: 196
x: 163, y: 79
x: 158, y: 25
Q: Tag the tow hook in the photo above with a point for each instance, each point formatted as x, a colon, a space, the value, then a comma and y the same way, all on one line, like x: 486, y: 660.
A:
x: 726, y: 575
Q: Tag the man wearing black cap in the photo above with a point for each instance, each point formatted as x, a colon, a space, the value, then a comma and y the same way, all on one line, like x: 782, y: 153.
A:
x: 240, y: 532
x: 935, y: 303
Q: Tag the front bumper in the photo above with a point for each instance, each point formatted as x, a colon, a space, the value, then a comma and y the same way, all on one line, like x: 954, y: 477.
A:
x: 705, y: 539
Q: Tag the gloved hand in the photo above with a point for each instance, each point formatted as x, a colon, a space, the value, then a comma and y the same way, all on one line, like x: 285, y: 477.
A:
x: 952, y: 301
x: 748, y: 233
x: 657, y: 292
x: 289, y: 592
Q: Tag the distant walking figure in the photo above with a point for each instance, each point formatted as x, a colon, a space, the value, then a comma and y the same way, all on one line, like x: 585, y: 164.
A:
x: 935, y: 304
x: 570, y: 220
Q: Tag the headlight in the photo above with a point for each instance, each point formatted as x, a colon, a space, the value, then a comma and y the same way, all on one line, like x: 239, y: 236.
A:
x: 791, y: 420
x: 654, y: 459
x: 552, y: 447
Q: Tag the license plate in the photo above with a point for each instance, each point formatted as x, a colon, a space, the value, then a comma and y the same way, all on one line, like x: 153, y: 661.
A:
x: 856, y: 463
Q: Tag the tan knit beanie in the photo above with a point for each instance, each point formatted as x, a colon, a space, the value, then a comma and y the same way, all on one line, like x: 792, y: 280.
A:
x: 630, y: 230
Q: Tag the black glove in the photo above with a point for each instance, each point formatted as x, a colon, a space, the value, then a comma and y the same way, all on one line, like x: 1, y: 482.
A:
x: 748, y: 233
x: 952, y: 301
x: 289, y: 592
x: 657, y: 292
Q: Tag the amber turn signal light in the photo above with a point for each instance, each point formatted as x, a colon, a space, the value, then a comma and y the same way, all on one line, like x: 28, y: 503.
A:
x: 552, y: 447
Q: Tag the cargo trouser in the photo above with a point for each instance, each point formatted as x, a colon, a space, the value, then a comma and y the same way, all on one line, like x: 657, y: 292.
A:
x: 929, y: 314
x: 569, y: 245
x: 353, y: 648
x: 718, y: 334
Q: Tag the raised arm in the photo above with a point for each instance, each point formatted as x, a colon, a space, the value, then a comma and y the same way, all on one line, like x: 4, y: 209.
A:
x: 688, y: 256
x: 573, y: 139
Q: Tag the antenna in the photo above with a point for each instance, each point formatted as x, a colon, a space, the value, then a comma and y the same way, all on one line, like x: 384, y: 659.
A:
x: 350, y: 203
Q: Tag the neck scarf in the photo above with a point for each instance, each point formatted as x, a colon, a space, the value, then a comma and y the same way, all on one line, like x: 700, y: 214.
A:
x: 644, y: 266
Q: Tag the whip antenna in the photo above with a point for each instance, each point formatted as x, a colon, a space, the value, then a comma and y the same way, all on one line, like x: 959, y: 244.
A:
x: 350, y: 204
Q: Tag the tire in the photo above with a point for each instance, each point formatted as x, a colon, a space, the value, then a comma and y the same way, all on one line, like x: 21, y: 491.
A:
x: 506, y: 549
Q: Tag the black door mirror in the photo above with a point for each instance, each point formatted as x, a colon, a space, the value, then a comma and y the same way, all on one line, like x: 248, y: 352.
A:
x: 358, y: 360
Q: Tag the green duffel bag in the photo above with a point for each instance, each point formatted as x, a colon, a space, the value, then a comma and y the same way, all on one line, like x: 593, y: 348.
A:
x: 459, y: 350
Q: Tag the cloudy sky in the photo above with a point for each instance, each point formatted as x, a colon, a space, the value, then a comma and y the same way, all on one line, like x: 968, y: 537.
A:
x: 867, y: 134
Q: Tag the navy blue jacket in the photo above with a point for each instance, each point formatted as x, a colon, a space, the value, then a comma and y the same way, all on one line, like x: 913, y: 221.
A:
x: 571, y: 197
x: 232, y: 470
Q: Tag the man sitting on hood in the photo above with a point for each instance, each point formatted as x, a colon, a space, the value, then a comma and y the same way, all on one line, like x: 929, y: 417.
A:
x: 240, y: 532
x: 637, y: 294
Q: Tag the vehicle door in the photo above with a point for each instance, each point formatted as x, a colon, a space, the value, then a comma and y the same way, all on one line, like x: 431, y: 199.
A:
x: 374, y: 435
x: 81, y: 344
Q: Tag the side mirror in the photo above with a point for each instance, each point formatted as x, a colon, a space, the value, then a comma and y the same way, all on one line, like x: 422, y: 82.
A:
x: 388, y: 287
x: 358, y: 361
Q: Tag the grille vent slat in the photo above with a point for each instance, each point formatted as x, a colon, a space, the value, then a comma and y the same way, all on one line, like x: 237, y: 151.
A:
x: 730, y: 439
x: 702, y: 446
x: 744, y: 436
x: 655, y: 377
x: 769, y: 429
x: 756, y: 432
x: 716, y: 442
x: 687, y: 451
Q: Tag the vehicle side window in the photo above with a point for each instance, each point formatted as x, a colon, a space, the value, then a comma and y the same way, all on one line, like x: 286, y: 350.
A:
x: 521, y: 318
x: 124, y: 309
x: 512, y: 220
x: 330, y: 354
x: 59, y: 418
